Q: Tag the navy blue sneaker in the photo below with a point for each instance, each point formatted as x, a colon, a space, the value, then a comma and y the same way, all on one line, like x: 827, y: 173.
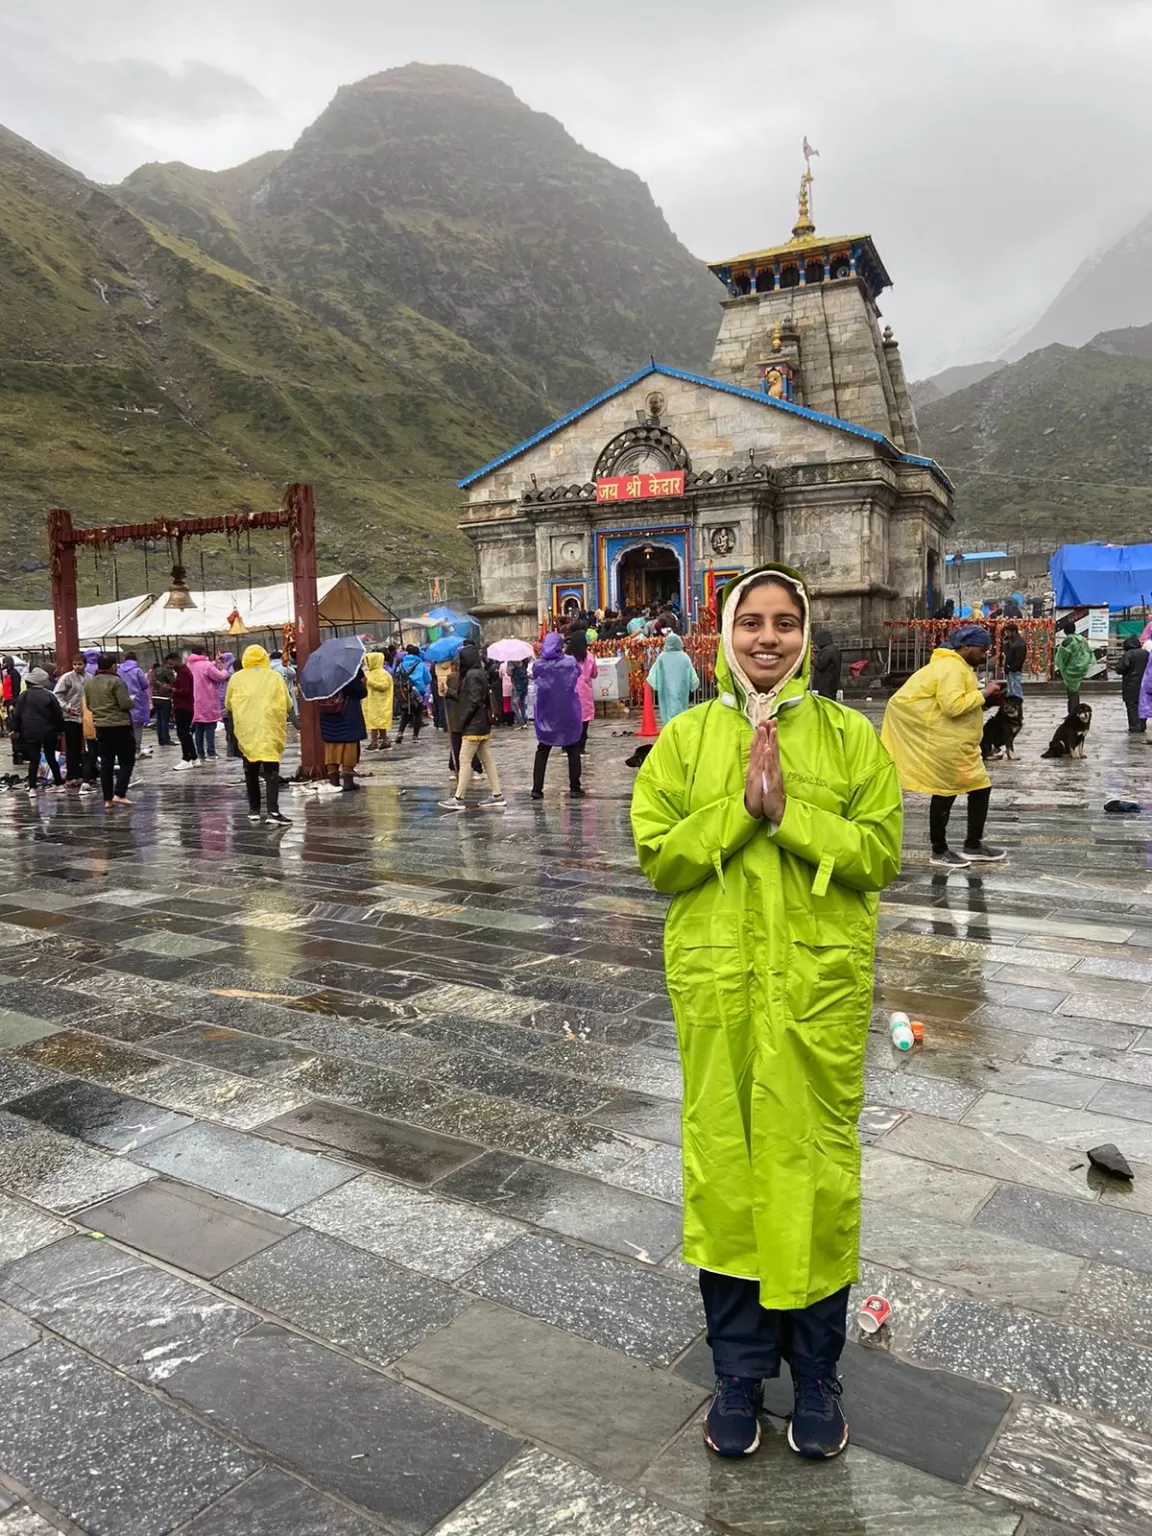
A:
x: 817, y: 1427
x: 732, y: 1427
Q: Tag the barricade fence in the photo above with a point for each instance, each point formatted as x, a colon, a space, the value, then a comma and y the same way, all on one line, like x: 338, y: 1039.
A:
x: 912, y: 641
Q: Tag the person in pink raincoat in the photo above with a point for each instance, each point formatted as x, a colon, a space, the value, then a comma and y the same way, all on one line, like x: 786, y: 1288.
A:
x: 206, y: 711
x: 577, y: 646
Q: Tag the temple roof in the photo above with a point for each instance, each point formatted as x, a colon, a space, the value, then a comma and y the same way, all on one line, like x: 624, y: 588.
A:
x: 809, y: 246
x: 770, y: 402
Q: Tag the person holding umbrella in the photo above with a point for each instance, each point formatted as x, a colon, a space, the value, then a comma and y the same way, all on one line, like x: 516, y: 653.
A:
x: 333, y: 678
x: 515, y: 654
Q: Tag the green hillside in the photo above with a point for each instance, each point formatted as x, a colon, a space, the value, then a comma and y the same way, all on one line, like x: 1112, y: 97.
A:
x: 1055, y: 448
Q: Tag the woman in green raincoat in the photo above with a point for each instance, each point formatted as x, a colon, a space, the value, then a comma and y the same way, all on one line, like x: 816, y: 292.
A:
x: 773, y: 818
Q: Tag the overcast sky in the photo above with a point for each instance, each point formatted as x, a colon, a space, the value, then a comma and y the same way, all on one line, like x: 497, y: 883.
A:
x: 988, y: 147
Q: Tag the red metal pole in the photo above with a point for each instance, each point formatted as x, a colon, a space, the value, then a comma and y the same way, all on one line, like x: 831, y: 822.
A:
x: 62, y: 571
x: 299, y: 502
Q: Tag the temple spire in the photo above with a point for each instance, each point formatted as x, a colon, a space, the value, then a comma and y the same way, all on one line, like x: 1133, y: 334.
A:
x: 804, y: 228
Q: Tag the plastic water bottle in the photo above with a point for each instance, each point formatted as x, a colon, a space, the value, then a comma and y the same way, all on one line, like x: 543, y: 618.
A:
x: 900, y: 1028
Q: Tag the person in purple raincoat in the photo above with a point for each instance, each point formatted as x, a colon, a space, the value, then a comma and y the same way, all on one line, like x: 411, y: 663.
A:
x: 557, y: 712
x: 140, y: 692
x: 226, y: 662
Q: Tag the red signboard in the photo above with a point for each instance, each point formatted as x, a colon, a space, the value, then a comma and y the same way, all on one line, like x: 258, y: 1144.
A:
x: 668, y: 482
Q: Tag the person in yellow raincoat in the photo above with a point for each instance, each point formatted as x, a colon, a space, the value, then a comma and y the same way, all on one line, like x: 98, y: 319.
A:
x: 772, y: 817
x: 258, y: 701
x: 932, y: 727
x: 378, y: 701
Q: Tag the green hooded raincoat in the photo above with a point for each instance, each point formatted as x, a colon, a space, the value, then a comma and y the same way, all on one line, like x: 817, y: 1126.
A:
x: 768, y: 953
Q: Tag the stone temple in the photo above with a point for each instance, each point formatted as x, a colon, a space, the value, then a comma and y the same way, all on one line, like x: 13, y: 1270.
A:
x: 800, y: 445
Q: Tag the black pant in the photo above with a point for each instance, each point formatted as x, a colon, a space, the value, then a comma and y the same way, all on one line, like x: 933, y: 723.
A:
x: 940, y: 808
x: 270, y: 772
x: 34, y: 747
x: 747, y: 1340
x: 91, y: 761
x: 74, y: 748
x: 584, y: 737
x: 117, y: 746
x: 163, y: 708
x: 1134, y: 721
x: 572, y: 753
x: 412, y: 717
x: 1073, y: 700
x: 183, y: 719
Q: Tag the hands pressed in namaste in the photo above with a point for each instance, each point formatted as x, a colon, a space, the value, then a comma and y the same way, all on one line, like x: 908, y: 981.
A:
x: 764, y: 785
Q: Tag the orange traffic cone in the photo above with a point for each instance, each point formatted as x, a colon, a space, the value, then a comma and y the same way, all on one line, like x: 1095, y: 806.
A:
x: 648, y: 726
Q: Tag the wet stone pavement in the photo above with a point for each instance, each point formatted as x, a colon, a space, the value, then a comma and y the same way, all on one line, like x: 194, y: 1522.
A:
x: 339, y: 1172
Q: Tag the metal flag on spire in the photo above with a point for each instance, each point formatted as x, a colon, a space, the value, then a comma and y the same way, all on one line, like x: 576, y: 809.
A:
x: 809, y: 152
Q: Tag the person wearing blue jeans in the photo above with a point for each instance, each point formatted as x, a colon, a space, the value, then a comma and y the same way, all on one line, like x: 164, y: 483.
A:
x: 1014, y: 654
x: 204, y: 738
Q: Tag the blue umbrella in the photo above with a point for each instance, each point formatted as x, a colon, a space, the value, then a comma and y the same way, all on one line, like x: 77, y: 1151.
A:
x: 444, y: 649
x: 447, y: 618
x: 330, y: 667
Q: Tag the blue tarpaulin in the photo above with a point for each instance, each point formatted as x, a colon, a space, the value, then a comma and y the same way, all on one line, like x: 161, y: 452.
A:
x: 1095, y: 575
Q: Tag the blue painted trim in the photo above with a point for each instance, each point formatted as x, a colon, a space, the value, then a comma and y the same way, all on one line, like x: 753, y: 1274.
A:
x: 698, y: 378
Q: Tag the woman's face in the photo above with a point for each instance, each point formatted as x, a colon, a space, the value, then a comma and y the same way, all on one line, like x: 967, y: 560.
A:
x: 768, y: 635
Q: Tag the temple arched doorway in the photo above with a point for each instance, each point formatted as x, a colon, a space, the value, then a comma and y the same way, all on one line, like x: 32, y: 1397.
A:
x: 648, y: 575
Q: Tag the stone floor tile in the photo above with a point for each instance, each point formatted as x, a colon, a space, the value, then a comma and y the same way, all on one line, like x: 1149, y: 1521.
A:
x: 657, y: 1172
x: 424, y: 1232
x: 26, y: 1522
x: 22, y: 1230
x: 888, y: 1403
x: 274, y: 1504
x: 275, y: 1179
x: 350, y: 1297
x: 927, y: 1095
x: 16, y: 1333
x: 540, y: 1496
x: 102, y: 1451
x: 1056, y: 1026
x: 185, y: 1226
x: 510, y: 1080
x: 1073, y: 1129
x: 568, y: 1203
x: 55, y: 1171
x: 1064, y: 1364
x: 650, y: 1316
x: 231, y: 1050
x: 1114, y: 1301
x: 859, y: 1494
x: 20, y: 1077
x: 142, y: 1320
x: 179, y: 946
x: 404, y: 1456
x: 363, y: 1042
x: 922, y: 1187
x: 553, y: 1387
x: 239, y: 1102
x: 19, y: 1028
x: 97, y: 1115
x: 1092, y: 1061
x: 1017, y: 1159
x: 1062, y: 1465
x: 376, y: 1089
x: 389, y: 1147
x: 1094, y: 1231
x: 980, y: 1262
x: 914, y: 1302
x: 475, y: 1003
x: 1124, y: 1099
x: 876, y: 1120
x: 640, y: 1115
x: 79, y: 1054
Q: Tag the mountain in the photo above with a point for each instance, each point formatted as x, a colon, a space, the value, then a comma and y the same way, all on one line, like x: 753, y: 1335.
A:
x: 940, y: 385
x: 433, y: 271
x: 1054, y: 448
x: 1105, y: 293
x: 434, y: 190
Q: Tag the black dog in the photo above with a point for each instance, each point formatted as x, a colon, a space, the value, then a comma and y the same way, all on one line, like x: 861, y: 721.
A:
x: 637, y: 758
x: 1069, y: 736
x: 1002, y: 729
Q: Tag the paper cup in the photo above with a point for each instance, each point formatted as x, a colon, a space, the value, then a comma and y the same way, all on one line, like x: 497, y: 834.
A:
x: 874, y: 1313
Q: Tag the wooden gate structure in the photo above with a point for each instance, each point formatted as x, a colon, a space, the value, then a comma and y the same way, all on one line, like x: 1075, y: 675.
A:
x: 296, y: 513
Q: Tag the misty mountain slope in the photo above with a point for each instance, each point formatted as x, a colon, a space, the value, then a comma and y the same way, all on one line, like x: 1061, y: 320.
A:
x: 1105, y: 293
x: 141, y: 375
x: 434, y: 190
x: 200, y: 205
x: 1055, y: 447
x: 947, y: 382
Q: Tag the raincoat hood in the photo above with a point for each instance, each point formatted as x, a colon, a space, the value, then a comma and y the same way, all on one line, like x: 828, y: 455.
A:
x: 1131, y: 643
x: 373, y: 661
x: 823, y: 637
x: 673, y: 642
x: 736, y: 690
x: 255, y: 656
x: 552, y: 647
x: 469, y: 657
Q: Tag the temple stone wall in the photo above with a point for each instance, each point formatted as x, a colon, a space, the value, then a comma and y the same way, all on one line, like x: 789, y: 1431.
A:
x: 844, y: 370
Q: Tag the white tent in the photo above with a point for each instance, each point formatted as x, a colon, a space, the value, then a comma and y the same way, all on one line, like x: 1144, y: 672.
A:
x: 341, y: 600
x: 33, y: 629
